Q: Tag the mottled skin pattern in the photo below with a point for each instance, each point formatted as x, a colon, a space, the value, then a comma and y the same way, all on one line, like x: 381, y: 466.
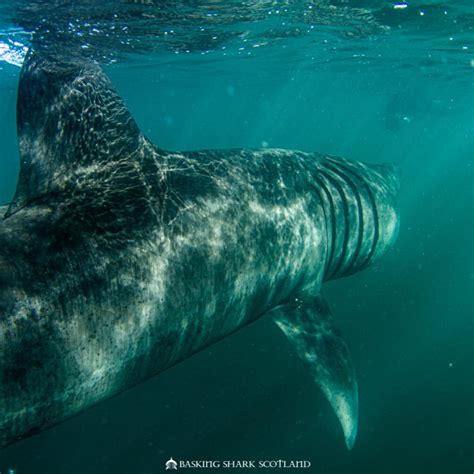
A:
x: 118, y: 259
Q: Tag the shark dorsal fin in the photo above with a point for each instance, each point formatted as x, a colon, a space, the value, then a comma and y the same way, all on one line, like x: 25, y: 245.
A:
x: 69, y: 116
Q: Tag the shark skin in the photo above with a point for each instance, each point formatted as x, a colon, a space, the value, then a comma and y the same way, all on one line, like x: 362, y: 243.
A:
x: 119, y: 259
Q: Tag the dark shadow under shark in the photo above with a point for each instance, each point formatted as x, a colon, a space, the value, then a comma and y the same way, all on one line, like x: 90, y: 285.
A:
x: 119, y: 259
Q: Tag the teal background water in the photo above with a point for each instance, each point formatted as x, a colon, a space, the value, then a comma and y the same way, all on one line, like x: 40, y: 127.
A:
x: 409, y: 320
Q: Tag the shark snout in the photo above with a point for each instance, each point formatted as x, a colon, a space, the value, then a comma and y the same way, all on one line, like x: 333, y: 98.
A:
x: 387, y: 189
x: 390, y: 174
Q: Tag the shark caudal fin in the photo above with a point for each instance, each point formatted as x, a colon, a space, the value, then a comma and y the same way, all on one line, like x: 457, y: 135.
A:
x: 308, y: 326
x: 69, y: 117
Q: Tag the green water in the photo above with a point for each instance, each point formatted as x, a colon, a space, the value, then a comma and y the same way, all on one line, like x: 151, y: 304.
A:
x: 403, y: 95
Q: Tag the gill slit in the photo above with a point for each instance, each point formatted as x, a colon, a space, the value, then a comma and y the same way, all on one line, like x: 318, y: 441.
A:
x: 375, y: 214
x: 329, y: 246
x: 331, y: 179
x: 360, y: 230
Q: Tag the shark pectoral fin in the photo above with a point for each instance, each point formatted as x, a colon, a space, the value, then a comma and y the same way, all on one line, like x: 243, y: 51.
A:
x: 309, y: 327
x: 69, y: 118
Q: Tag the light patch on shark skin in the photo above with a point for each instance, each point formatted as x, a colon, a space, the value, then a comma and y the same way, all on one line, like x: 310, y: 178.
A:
x: 311, y: 357
x: 157, y: 256
x: 98, y: 361
x: 299, y: 237
x: 345, y: 413
x: 92, y: 381
x: 291, y: 330
x: 215, y: 238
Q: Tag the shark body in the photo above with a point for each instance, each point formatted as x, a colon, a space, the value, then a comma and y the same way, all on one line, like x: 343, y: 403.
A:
x: 119, y: 259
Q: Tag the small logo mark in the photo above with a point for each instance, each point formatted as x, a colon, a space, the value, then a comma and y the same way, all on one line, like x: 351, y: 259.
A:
x: 171, y: 464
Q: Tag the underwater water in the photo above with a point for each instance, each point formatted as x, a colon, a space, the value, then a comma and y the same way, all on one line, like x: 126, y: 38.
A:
x: 371, y: 80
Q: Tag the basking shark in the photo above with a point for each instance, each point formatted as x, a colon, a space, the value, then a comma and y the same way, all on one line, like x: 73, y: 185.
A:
x: 119, y: 259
